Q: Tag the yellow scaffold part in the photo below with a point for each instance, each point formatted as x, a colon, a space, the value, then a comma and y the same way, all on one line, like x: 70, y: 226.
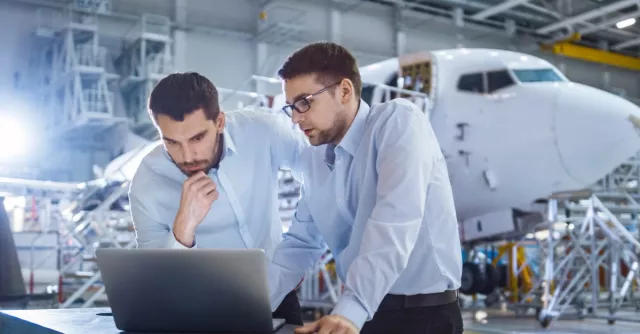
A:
x: 520, y: 274
x: 568, y: 49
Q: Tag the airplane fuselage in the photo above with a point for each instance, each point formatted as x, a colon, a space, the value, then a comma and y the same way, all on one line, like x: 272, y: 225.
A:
x: 514, y: 129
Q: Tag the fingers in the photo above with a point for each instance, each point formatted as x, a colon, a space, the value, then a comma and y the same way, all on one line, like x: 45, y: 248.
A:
x: 200, y: 182
x: 309, y: 328
x: 212, y: 196
x: 194, y: 178
x: 207, y: 187
x: 328, y: 325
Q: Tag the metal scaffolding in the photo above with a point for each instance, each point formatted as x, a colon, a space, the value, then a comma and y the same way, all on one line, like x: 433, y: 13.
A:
x: 590, y: 265
x: 147, y: 58
x: 78, y: 74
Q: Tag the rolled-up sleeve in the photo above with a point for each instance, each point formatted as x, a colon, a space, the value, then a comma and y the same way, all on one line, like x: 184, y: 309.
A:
x: 150, y: 230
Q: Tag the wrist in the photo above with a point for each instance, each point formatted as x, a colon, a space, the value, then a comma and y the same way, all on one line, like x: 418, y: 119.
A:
x: 351, y: 309
x: 183, y: 233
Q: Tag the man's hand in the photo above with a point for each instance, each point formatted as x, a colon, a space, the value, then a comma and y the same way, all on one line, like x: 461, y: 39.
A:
x: 329, y: 324
x: 198, y: 193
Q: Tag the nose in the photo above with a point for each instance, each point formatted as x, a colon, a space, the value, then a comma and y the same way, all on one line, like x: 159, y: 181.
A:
x: 296, y: 117
x: 595, y: 132
x: 188, y: 155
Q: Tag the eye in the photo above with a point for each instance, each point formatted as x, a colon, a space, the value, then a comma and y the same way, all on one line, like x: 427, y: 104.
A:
x: 197, y: 138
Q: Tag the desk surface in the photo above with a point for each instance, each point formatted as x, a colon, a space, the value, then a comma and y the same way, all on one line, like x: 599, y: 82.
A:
x: 85, y: 320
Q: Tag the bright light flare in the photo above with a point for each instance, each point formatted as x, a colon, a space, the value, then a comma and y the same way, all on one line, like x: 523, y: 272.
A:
x: 626, y: 23
x: 13, y: 139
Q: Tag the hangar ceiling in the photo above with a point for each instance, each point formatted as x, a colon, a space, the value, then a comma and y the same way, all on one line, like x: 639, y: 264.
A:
x: 594, y: 21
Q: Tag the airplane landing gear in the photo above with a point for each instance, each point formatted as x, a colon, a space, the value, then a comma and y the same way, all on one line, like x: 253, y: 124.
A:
x: 476, y: 279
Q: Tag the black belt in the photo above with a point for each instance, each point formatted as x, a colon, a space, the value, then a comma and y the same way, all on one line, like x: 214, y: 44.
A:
x: 396, y: 302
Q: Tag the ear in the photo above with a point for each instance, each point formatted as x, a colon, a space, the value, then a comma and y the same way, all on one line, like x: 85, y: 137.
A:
x: 346, y: 90
x: 220, y: 121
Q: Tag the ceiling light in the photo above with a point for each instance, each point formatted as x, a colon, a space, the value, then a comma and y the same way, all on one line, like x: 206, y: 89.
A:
x: 625, y: 23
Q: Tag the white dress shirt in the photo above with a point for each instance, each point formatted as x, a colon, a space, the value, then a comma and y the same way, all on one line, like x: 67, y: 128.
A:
x: 246, y: 214
x: 383, y: 206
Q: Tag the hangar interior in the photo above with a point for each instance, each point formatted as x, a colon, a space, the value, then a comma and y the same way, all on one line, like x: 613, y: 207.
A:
x: 75, y: 77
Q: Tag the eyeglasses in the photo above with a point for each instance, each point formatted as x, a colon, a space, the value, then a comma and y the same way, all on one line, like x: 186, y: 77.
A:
x: 303, y: 105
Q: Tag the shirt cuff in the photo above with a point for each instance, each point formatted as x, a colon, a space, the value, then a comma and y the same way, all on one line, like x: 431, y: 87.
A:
x: 178, y: 245
x: 350, y: 308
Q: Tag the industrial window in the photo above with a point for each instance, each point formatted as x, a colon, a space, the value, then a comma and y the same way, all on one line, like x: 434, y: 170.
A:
x: 537, y: 75
x: 498, y: 79
x: 472, y: 82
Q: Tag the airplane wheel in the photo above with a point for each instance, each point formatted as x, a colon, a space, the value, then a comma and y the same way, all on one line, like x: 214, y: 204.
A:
x: 472, y: 279
x: 491, y: 280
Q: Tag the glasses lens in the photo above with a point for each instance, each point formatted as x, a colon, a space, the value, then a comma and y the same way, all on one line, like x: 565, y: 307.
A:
x: 302, y: 105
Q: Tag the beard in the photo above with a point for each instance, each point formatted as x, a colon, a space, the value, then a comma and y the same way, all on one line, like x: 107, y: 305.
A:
x: 203, y: 165
x: 333, y: 134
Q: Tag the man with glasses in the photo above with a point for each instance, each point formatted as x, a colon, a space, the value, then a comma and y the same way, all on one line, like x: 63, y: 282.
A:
x: 214, y: 181
x: 376, y: 192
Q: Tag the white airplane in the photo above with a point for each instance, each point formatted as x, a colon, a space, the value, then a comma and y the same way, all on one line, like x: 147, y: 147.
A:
x: 514, y: 129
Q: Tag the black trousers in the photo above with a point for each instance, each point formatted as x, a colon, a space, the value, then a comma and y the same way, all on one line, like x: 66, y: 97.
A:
x: 290, y: 309
x: 440, y: 319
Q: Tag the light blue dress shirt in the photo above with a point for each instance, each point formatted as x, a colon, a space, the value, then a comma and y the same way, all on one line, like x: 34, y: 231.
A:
x: 246, y: 214
x: 385, y: 210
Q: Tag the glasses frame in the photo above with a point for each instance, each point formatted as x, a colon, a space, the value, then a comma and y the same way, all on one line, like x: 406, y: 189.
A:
x: 289, y: 108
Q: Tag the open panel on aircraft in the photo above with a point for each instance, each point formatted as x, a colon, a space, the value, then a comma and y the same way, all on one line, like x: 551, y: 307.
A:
x: 416, y: 72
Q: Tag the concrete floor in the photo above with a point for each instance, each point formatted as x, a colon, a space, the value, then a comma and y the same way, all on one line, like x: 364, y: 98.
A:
x: 508, y: 323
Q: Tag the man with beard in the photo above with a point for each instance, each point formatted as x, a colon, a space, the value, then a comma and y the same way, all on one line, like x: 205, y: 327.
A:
x: 213, y: 183
x: 376, y: 191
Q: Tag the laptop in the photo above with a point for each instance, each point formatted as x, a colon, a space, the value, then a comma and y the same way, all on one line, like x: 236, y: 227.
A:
x: 188, y: 290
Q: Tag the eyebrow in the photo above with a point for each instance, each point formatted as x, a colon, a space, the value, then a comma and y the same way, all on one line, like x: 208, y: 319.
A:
x: 201, y: 133
x: 299, y: 96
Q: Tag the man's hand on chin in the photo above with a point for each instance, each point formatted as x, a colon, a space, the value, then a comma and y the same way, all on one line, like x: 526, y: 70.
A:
x: 329, y: 324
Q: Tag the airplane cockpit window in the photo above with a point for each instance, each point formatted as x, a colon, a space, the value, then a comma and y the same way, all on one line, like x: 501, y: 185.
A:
x: 473, y: 82
x: 537, y: 75
x: 498, y: 79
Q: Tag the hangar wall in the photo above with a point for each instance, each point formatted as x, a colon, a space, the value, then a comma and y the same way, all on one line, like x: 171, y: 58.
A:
x: 217, y: 39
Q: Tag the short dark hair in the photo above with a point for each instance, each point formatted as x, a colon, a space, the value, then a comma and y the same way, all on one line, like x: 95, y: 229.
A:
x: 180, y: 94
x: 330, y: 62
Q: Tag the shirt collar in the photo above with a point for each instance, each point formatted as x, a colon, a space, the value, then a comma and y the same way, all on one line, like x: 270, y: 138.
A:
x: 351, y: 140
x: 228, y: 145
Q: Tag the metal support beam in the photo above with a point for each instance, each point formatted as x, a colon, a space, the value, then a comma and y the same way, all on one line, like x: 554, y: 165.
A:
x: 180, y: 36
x: 335, y: 25
x: 587, y: 16
x: 606, y: 23
x: 401, y: 35
x: 626, y: 44
x: 594, y: 55
x: 505, y: 5
x: 458, y: 17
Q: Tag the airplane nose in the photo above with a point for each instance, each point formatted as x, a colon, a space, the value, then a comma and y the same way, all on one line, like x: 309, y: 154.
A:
x: 595, y: 132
